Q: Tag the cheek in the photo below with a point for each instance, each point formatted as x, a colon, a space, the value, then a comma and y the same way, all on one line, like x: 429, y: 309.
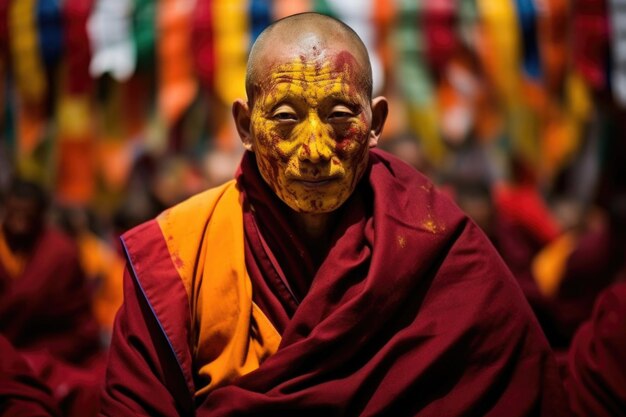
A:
x: 352, y: 138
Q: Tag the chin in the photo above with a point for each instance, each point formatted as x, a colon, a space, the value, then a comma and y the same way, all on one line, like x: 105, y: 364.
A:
x: 315, y: 207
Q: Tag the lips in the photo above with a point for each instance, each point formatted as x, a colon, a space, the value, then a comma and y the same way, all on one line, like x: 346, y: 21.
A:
x: 315, y: 182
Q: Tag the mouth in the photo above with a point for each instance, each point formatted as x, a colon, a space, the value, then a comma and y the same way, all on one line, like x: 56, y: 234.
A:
x: 315, y: 182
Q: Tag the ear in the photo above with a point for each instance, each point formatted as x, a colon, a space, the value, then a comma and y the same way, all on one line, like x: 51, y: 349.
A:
x: 241, y: 115
x: 380, y: 108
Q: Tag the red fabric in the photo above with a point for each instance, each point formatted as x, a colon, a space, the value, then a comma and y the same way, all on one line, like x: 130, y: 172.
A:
x: 21, y: 392
x: 49, y: 306
x: 144, y: 375
x: 596, y: 368
x: 4, y: 31
x: 522, y: 205
x: 590, y: 40
x: 202, y: 42
x: 411, y: 313
x: 78, y: 49
x: 440, y: 32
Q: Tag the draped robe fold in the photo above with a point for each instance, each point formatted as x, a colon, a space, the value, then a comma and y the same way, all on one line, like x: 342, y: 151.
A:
x: 410, y: 312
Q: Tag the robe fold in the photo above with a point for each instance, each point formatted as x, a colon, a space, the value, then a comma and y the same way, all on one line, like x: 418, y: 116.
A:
x: 410, y: 312
x: 595, y: 379
x: 46, y: 314
x: 21, y: 392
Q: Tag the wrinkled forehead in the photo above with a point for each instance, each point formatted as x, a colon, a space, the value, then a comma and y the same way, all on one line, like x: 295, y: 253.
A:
x: 312, y: 66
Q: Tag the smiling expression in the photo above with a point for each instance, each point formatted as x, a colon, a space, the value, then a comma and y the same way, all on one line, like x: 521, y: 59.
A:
x: 310, y: 128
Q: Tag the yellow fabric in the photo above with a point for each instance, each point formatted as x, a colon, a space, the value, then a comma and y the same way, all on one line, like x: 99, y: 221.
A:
x: 230, y: 24
x: 28, y: 68
x: 13, y: 263
x: 102, y: 264
x: 549, y: 264
x: 499, y: 46
x: 205, y: 238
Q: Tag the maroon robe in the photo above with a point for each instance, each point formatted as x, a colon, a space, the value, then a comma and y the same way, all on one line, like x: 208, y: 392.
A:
x: 411, y: 312
x: 21, y: 392
x: 46, y: 315
x: 48, y: 307
x: 596, y: 366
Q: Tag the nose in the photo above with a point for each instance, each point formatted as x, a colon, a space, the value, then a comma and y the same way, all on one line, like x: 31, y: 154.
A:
x: 315, y: 142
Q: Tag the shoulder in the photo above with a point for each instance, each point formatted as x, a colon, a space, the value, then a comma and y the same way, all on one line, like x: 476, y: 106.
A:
x: 187, y: 215
x: 55, y: 241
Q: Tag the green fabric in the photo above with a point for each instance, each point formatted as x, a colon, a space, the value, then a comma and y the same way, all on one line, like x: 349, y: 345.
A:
x: 322, y: 6
x: 144, y: 32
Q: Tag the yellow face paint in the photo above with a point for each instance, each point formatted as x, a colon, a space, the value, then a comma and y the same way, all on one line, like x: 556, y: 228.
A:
x: 310, y: 126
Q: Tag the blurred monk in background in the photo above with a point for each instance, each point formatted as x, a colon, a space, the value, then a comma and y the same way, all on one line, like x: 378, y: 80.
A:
x: 45, y: 302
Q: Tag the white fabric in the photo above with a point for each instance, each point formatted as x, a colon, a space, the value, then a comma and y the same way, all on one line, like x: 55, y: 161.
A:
x: 109, y: 29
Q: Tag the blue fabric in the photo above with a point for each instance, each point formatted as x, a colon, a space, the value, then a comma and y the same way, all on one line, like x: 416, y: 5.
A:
x: 527, y: 16
x: 260, y: 17
x: 50, y: 30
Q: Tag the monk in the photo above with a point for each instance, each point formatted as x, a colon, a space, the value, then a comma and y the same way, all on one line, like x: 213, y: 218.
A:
x: 45, y: 302
x: 327, y: 278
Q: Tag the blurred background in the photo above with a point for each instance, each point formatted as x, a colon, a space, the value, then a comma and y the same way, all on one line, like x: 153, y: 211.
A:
x: 515, y: 108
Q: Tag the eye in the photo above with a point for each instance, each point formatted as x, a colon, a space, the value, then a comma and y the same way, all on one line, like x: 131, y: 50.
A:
x: 284, y: 113
x: 340, y: 113
x: 284, y: 116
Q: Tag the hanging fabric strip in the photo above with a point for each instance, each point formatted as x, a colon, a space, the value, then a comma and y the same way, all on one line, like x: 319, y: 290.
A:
x: 553, y: 25
x: 177, y: 83
x: 111, y: 43
x: 144, y: 32
x: 50, y: 25
x: 27, y: 64
x: 383, y: 20
x: 4, y: 30
x: 260, y: 18
x: 323, y: 7
x: 499, y: 47
x: 284, y: 8
x: 414, y: 78
x: 77, y: 54
x: 232, y: 37
x: 527, y: 18
x: 618, y: 48
x: 440, y: 35
x: 75, y: 173
x: 203, y: 42
x: 468, y: 23
x: 589, y: 40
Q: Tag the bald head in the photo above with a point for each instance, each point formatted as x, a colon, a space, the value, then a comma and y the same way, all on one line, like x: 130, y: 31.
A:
x: 301, y: 35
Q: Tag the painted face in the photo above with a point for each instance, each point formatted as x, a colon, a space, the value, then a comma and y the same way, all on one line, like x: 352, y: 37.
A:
x: 310, y: 127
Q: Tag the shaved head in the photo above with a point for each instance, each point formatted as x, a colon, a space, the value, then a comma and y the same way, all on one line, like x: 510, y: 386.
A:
x: 302, y: 34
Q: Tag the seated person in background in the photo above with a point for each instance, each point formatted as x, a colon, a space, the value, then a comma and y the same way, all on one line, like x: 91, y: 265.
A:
x: 21, y: 392
x: 595, y: 369
x: 327, y: 278
x: 45, y: 302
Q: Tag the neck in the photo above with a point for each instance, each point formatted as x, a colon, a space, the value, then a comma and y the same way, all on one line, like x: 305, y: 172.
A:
x: 315, y: 229
x: 314, y: 226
